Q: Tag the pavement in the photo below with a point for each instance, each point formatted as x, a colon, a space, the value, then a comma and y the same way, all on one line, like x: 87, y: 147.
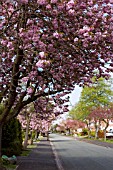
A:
x: 96, y: 142
x: 44, y: 156
x: 40, y: 158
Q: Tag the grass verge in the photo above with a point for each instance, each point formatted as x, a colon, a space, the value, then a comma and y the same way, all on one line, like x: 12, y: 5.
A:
x: 10, y: 167
x: 27, y: 151
x: 108, y: 140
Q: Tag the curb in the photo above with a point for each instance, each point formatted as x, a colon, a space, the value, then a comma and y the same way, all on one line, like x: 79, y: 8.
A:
x: 58, y: 162
x: 16, y: 167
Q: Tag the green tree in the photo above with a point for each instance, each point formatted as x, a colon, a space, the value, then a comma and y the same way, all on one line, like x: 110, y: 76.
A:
x: 99, y: 93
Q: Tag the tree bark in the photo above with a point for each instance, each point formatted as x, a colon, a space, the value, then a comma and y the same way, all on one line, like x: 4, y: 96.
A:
x: 104, y: 134
x: 1, y: 140
x: 88, y: 127
x: 97, y: 128
x: 107, y: 124
x: 47, y: 135
x: 31, y: 138
x: 96, y: 132
x: 26, y: 135
x: 1, y: 166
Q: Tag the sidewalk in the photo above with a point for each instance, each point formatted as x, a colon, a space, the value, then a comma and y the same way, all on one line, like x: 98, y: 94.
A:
x: 40, y: 158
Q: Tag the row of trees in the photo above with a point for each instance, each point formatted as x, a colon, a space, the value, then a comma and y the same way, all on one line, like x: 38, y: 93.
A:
x: 69, y: 126
x: 95, y: 105
x: 99, y: 116
x: 38, y: 116
x: 46, y: 47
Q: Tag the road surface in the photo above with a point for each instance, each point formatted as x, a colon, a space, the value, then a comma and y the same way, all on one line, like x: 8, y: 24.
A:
x: 79, y: 155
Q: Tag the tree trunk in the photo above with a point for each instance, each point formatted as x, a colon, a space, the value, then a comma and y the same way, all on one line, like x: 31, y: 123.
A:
x: 97, y: 128
x: 0, y: 145
x: 107, y: 124
x: 47, y: 135
x: 89, y: 130
x: 89, y: 133
x: 96, y: 132
x: 26, y: 135
x: 0, y: 141
x: 104, y: 134
x: 36, y: 134
x: 31, y: 138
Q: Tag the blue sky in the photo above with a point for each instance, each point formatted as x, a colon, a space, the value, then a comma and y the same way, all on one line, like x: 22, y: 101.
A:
x: 75, y: 95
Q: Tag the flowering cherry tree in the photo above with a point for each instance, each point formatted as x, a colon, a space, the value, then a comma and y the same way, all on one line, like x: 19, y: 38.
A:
x: 29, y: 122
x: 70, y: 126
x: 37, y: 117
x: 47, y: 110
x: 99, y: 115
x: 47, y: 46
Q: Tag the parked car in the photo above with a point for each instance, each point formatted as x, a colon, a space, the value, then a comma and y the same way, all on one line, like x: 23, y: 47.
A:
x: 109, y: 134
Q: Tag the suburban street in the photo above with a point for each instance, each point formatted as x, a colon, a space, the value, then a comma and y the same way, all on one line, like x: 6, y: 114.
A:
x: 79, y: 155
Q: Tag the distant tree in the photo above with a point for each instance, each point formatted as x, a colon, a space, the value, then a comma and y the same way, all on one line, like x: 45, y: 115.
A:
x: 99, y: 115
x: 99, y: 93
x: 70, y: 126
x: 47, y: 109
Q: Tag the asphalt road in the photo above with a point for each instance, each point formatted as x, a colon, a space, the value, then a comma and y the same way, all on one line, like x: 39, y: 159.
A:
x: 79, y: 155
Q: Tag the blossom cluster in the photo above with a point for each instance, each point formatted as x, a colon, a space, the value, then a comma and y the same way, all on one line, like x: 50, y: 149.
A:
x: 47, y: 47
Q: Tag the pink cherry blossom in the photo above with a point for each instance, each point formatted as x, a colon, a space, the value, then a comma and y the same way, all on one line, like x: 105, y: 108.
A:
x: 24, y: 1
x: 41, y: 54
x: 40, y: 64
x: 54, y: 1
x: 25, y: 79
x: 47, y: 47
x: 42, y: 2
x: 56, y: 34
x: 29, y: 90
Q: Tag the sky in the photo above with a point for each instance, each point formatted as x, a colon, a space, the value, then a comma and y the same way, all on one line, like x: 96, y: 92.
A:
x: 74, y: 98
x: 75, y: 95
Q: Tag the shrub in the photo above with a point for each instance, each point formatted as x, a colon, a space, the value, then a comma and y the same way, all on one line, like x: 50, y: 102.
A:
x: 101, y: 134
x: 85, y: 131
x: 12, y: 138
x: 93, y: 133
